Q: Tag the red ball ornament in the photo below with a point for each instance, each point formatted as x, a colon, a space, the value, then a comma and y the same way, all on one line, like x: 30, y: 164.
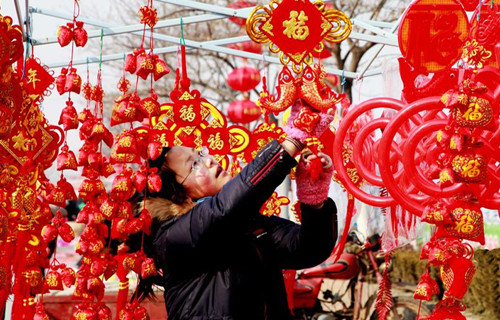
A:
x: 243, y: 111
x: 243, y: 78
x: 248, y: 46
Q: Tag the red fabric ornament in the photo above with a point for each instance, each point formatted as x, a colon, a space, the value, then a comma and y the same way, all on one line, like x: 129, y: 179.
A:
x: 457, y: 274
x: 467, y: 224
x: 104, y: 312
x: 145, y: 65
x: 160, y: 68
x: 66, y: 160
x: 139, y: 179
x: 49, y: 233
x: 84, y: 312
x: 38, y: 79
x: 98, y: 267
x: 68, y: 276
x: 306, y: 120
x: 133, y: 262
x: 149, y: 106
x: 80, y: 35
x: 148, y: 268
x: 130, y: 64
x: 140, y: 313
x: 122, y: 187
x: 145, y: 216
x: 73, y: 82
x: 53, y: 281
x: 148, y: 15
x: 126, y: 143
x: 126, y: 314
x: 87, y: 91
x: 426, y: 288
x: 65, y: 34
x: 69, y: 117
x: 61, y: 81
x: 124, y: 210
x: 111, y: 269
x: 470, y: 167
x: 243, y: 78
x: 155, y: 149
x: 66, y: 232
x: 40, y: 313
x: 108, y: 209
x: 154, y: 182
x: 436, y: 214
x: 57, y: 197
x: 133, y: 226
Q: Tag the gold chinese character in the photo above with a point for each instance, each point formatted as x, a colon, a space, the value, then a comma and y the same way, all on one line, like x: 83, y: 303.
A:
x: 295, y: 26
x: 32, y: 77
x: 471, y: 169
x: 473, y: 113
x: 215, y: 142
x: 465, y: 224
x: 187, y: 113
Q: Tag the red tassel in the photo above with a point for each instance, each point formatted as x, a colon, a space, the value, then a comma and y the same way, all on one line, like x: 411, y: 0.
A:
x: 339, y: 248
x: 383, y: 305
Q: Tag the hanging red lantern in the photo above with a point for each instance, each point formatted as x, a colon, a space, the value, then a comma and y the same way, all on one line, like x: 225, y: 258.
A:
x: 248, y: 46
x: 240, y: 5
x: 243, y: 111
x: 243, y: 78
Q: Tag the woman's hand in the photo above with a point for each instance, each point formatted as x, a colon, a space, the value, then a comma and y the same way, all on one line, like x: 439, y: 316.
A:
x: 313, y: 191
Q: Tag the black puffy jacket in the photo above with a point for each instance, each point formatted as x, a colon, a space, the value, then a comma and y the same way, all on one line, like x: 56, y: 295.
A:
x: 223, y: 260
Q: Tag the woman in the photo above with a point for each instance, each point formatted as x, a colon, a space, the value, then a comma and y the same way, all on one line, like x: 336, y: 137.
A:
x: 218, y: 256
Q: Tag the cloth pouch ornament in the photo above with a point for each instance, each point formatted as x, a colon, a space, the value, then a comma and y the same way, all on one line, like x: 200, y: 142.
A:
x: 426, y: 288
x: 145, y: 216
x: 53, y: 281
x: 148, y: 268
x: 145, y: 65
x: 126, y: 314
x: 139, y: 178
x: 65, y: 34
x: 61, y: 81
x: 73, y: 82
x: 133, y: 226
x: 140, y: 313
x: 154, y: 181
x: 40, y: 313
x: 467, y: 224
x: 57, y: 197
x: 160, y: 68
x: 80, y: 35
x: 66, y: 160
x: 108, y: 209
x: 122, y: 187
x: 111, y: 269
x: 104, y: 312
x: 130, y: 64
x: 133, y: 262
x: 68, y: 276
x: 98, y: 266
x: 69, y: 117
x: 149, y: 106
x: 124, y: 210
x: 49, y: 233
x: 155, y: 149
x: 436, y: 213
x: 126, y: 143
x: 66, y: 232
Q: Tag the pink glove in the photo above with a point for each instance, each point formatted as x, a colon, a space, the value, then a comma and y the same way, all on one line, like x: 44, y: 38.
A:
x: 304, y: 122
x: 313, y: 191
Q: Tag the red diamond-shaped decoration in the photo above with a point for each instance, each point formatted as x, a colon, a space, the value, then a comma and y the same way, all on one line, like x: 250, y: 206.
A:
x: 296, y: 27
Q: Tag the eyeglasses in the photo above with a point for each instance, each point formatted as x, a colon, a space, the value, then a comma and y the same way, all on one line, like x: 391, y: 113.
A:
x: 197, y: 163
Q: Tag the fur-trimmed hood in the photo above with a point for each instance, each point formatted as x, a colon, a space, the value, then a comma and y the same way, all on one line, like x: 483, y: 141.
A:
x: 162, y: 209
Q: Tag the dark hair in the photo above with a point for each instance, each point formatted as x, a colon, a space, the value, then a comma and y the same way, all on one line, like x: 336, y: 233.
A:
x: 170, y: 190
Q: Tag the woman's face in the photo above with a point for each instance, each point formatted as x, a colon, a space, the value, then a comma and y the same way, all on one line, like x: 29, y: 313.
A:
x: 200, y: 175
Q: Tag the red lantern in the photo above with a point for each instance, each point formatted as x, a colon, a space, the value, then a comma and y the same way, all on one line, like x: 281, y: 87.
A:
x: 243, y: 111
x: 248, y: 46
x: 240, y: 5
x: 243, y: 78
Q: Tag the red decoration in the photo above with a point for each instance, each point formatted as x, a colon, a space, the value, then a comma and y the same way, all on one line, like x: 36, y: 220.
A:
x: 69, y: 117
x: 80, y: 35
x: 65, y: 34
x: 243, y: 111
x: 243, y: 78
x: 38, y: 78
x: 431, y: 37
x: 248, y: 46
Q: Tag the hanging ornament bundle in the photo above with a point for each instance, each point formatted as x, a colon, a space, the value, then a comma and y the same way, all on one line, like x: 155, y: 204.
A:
x: 437, y: 155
